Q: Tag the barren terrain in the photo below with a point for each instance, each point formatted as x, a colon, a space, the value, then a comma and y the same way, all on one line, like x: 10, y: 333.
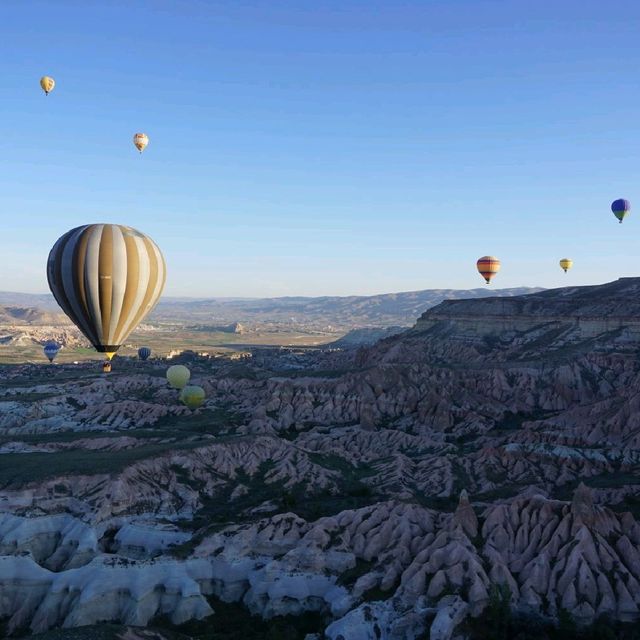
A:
x: 486, y: 458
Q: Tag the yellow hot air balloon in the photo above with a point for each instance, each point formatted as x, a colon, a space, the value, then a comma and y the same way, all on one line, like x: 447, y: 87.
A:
x: 47, y: 84
x: 141, y: 140
x: 178, y: 375
x: 192, y: 396
x: 566, y: 264
x: 106, y: 278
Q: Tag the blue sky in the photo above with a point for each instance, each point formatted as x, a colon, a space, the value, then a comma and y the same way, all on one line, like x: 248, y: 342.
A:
x: 325, y: 147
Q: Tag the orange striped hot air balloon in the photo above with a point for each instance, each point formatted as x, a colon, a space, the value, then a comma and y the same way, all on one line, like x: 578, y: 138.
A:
x: 488, y: 266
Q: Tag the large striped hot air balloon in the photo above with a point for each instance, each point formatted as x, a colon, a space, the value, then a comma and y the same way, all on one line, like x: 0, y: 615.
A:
x: 141, y: 140
x: 144, y: 353
x: 488, y: 266
x: 47, y: 84
x: 106, y: 278
x: 51, y: 349
x: 566, y: 264
x: 620, y: 208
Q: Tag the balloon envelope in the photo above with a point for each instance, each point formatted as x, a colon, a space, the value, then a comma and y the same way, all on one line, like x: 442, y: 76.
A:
x: 144, y: 353
x: 51, y: 350
x: 141, y: 140
x: 178, y: 375
x: 192, y: 396
x: 488, y: 266
x: 620, y: 208
x: 47, y: 84
x: 566, y: 264
x: 106, y: 278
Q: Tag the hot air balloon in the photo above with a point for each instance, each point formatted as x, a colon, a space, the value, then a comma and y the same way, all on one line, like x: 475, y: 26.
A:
x: 192, y: 396
x: 488, y: 266
x: 620, y: 208
x: 144, y: 353
x: 178, y: 375
x: 47, y: 84
x: 141, y: 140
x: 106, y: 278
x: 566, y: 264
x: 51, y: 349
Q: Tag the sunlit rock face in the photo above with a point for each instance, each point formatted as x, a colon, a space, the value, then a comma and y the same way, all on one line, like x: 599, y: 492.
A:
x: 388, y: 488
x: 587, y: 311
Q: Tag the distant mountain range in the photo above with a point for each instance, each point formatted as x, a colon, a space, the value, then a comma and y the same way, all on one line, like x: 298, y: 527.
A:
x: 28, y: 315
x: 42, y: 301
x: 381, y: 310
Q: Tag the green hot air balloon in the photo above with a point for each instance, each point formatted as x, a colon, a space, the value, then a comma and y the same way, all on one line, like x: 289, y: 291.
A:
x: 178, y: 375
x: 192, y: 396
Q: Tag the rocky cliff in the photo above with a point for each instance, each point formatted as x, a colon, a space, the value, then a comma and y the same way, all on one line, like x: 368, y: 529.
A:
x: 589, y: 311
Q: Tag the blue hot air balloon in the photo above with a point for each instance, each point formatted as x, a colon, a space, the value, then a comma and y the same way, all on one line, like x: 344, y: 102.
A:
x: 144, y: 353
x: 51, y: 350
x: 620, y: 208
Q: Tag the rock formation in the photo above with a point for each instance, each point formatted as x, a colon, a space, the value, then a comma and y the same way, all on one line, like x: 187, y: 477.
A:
x: 389, y: 488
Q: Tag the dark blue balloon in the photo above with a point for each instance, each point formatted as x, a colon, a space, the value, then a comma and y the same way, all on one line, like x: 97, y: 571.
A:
x: 144, y: 353
x: 620, y: 205
x: 620, y: 208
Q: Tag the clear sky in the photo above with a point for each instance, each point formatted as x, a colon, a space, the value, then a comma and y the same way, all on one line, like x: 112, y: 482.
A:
x: 320, y: 147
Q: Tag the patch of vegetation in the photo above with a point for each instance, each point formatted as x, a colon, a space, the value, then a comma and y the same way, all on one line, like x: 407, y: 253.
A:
x: 491, y: 342
x: 241, y: 372
x: 360, y: 490
x: 461, y: 478
x: 328, y: 504
x: 378, y: 593
x: 288, y: 500
x: 232, y: 621
x: 52, y: 437
x: 219, y: 510
x: 350, y: 493
x: 18, y: 469
x: 501, y: 493
x: 207, y: 421
x: 630, y: 503
x: 386, y: 421
x: 614, y: 479
x: 438, y: 503
x: 28, y: 398
x: 333, y: 462
x: 513, y: 420
x: 71, y: 401
x: 313, y: 373
x: 349, y: 577
x: 500, y: 622
x: 103, y: 631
